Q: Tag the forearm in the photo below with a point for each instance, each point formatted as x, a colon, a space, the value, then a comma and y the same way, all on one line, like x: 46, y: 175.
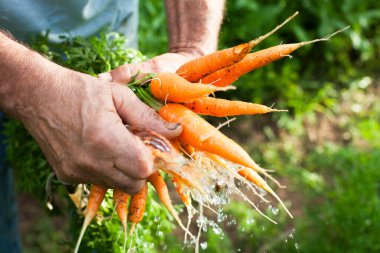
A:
x: 79, y: 120
x: 194, y: 25
x: 23, y: 74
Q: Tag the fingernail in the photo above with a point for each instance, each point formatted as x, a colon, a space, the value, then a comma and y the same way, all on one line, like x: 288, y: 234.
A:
x: 172, y: 126
x: 105, y: 76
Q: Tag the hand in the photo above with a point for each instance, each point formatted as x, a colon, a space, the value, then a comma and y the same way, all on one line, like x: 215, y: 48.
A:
x: 168, y: 62
x: 78, y: 120
x: 79, y: 124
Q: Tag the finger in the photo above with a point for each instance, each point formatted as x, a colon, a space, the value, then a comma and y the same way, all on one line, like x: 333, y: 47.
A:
x: 116, y: 179
x: 123, y: 74
x: 131, y: 156
x: 138, y: 114
x: 168, y: 62
x: 129, y: 179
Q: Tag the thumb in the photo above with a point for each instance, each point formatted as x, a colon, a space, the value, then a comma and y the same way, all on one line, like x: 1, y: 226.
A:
x: 136, y: 113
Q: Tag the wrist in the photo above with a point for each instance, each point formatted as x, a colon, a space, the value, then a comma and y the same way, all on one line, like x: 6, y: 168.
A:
x: 194, y: 25
x: 26, y: 77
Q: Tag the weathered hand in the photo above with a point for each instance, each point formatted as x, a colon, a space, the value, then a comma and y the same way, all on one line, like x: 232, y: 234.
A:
x: 168, y: 62
x: 79, y: 124
x: 78, y: 120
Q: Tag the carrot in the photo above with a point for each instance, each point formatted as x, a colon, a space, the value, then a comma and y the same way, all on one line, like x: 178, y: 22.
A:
x: 173, y: 88
x: 195, y: 69
x: 186, y: 199
x: 163, y: 194
x: 200, y: 134
x: 222, y: 107
x: 120, y: 200
x: 121, y: 205
x: 252, y: 61
x: 137, y: 207
x: 95, y: 199
x: 199, y: 67
x: 255, y: 178
x: 179, y: 187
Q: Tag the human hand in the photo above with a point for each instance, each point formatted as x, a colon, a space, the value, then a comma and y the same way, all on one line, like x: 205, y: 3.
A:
x: 168, y: 62
x: 78, y: 121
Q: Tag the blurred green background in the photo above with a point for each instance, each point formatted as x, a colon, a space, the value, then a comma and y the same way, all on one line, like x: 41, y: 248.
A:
x: 326, y: 149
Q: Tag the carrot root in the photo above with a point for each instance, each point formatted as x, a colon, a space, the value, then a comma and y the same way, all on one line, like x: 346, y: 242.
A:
x: 86, y: 222
x: 132, y: 229
x: 95, y: 199
x: 159, y: 184
x: 263, y: 37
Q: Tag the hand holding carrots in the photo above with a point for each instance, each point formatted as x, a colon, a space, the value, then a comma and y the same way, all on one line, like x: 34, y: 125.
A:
x: 213, y: 161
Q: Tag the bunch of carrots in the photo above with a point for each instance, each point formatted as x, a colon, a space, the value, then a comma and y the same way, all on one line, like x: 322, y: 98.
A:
x: 202, y: 160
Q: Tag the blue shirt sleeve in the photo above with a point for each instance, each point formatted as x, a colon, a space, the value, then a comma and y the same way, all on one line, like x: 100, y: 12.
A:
x: 9, y: 237
x: 70, y: 17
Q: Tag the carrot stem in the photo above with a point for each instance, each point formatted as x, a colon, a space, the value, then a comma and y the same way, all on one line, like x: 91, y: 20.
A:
x: 263, y: 37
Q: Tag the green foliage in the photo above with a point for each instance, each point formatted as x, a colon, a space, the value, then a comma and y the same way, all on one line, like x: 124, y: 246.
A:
x: 347, y: 215
x: 95, y: 55
x: 338, y: 196
x: 152, y: 28
x: 252, y: 229
x: 26, y: 158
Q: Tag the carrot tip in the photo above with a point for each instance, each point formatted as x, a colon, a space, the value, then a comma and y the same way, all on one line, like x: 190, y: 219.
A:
x: 339, y: 31
x: 326, y: 38
x: 132, y: 229
x: 279, y: 110
x: 254, y: 42
x: 230, y: 87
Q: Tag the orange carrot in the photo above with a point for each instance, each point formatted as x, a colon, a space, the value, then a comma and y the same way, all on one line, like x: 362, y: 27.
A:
x: 255, y: 178
x: 95, y: 199
x: 120, y: 200
x: 204, y: 65
x: 186, y: 199
x: 184, y: 195
x: 252, y: 61
x: 222, y: 107
x: 189, y: 149
x: 121, y: 205
x: 182, y: 147
x: 163, y: 194
x: 198, y: 133
x: 195, y: 69
x: 137, y: 207
x: 173, y: 88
